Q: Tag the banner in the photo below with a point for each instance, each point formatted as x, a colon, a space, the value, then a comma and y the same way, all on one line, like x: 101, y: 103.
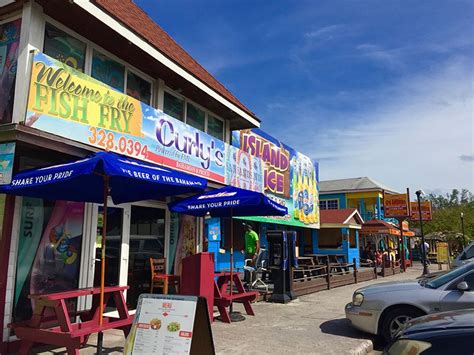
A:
x: 396, y: 205
x: 243, y: 170
x: 68, y: 103
x: 49, y: 249
x: 426, y: 214
x: 290, y: 178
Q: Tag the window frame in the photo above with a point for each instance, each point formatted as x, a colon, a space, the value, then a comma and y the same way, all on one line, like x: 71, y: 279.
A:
x: 187, y: 101
x: 91, y: 46
x: 326, y: 204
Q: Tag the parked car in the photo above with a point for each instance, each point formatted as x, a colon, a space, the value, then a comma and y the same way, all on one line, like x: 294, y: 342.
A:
x: 382, y: 309
x: 465, y: 256
x: 440, y: 333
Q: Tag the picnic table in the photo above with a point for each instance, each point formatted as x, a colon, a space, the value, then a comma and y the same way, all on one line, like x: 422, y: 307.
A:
x: 52, y: 307
x: 223, y: 298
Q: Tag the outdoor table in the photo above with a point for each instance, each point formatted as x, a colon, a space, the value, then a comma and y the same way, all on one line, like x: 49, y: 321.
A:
x: 305, y: 260
x: 223, y: 298
x: 52, y: 307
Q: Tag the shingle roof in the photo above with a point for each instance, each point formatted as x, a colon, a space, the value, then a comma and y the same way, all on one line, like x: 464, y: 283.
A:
x: 337, y: 216
x: 353, y: 184
x: 133, y: 17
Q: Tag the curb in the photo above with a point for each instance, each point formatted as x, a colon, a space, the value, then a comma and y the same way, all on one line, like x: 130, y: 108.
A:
x: 366, y: 347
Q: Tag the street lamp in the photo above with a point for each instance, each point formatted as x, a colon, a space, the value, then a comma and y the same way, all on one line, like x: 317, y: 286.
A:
x: 462, y: 228
x: 423, y: 248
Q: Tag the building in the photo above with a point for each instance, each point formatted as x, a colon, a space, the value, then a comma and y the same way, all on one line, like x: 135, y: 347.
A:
x: 363, y: 193
x: 81, y: 76
x: 366, y: 196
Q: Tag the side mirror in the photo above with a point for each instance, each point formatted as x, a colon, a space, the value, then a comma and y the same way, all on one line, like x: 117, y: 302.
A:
x: 462, y: 286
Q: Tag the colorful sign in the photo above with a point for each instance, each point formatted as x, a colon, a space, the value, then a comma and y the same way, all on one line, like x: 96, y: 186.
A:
x: 442, y: 252
x: 7, y: 155
x: 243, y: 170
x: 396, y: 205
x: 49, y: 248
x: 426, y: 214
x: 162, y: 325
x: 68, y: 103
x: 290, y: 178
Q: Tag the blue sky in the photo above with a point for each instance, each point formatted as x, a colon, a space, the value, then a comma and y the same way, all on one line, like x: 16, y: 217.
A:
x: 368, y: 88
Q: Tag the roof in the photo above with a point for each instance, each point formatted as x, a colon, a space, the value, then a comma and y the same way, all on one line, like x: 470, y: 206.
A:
x: 341, y: 216
x: 377, y: 226
x: 353, y: 185
x: 133, y: 17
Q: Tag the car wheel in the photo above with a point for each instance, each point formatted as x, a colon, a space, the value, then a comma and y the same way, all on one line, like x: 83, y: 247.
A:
x: 396, y: 318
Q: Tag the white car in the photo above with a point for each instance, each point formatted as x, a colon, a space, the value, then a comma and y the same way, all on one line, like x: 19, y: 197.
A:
x: 382, y: 309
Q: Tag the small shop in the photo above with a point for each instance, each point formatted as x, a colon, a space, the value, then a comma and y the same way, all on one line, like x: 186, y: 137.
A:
x: 289, y: 178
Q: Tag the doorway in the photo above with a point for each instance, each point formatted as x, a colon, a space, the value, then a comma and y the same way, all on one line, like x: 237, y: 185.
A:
x: 135, y: 233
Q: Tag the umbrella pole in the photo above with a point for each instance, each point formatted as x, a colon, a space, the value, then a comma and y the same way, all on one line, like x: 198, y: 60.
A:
x: 231, y: 259
x: 100, y: 336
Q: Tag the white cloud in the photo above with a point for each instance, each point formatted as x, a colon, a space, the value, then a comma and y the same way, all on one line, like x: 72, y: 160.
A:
x: 414, y: 138
x: 416, y: 133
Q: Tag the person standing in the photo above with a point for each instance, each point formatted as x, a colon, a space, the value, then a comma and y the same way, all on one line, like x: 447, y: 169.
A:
x: 252, y: 243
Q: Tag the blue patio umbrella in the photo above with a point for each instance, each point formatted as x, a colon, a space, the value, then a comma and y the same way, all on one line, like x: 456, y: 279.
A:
x: 95, y: 178
x: 229, y: 201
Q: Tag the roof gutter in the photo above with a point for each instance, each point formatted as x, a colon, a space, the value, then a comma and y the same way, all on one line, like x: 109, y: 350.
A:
x: 146, y: 47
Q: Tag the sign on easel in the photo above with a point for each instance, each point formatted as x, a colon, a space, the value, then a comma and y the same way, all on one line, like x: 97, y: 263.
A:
x: 170, y: 324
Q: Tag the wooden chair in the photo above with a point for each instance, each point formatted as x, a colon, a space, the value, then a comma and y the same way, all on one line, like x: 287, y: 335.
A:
x: 159, y: 277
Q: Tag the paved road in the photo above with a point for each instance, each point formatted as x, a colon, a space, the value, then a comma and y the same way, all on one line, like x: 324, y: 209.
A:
x: 312, y: 324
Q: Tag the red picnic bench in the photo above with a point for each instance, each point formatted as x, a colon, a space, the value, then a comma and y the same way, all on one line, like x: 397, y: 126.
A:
x: 72, y: 335
x: 223, y: 299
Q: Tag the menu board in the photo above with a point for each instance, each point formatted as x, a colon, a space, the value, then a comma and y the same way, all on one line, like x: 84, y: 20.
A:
x: 162, y: 325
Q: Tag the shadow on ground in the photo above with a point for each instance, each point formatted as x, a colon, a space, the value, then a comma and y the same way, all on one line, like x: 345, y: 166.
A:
x: 342, y: 327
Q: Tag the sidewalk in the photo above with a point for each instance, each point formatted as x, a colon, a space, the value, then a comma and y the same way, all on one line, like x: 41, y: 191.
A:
x: 312, y: 324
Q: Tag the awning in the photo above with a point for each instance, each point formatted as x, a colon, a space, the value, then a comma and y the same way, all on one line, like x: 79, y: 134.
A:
x: 377, y: 226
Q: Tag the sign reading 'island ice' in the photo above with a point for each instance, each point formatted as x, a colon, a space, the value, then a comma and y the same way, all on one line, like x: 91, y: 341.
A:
x: 70, y: 104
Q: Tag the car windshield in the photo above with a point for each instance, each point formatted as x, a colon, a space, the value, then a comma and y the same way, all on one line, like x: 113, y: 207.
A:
x: 442, y: 279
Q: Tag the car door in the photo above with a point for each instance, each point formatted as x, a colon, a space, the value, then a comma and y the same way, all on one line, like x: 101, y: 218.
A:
x: 453, y: 299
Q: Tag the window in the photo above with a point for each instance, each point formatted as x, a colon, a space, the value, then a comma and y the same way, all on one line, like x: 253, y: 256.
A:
x: 173, y: 106
x: 469, y: 279
x: 138, y: 88
x: 108, y: 71
x: 195, y: 117
x: 215, y: 127
x: 9, y: 40
x: 328, y: 204
x: 63, y: 47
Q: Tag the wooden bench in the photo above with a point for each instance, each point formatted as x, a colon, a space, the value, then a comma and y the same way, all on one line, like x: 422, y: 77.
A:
x: 223, y: 298
x: 68, y: 333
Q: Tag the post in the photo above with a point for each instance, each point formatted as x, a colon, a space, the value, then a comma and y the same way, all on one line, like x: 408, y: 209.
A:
x: 328, y: 273
x: 375, y: 269
x: 100, y: 336
x: 423, y: 249
x: 231, y: 260
x: 384, y: 260
x: 402, y: 249
x: 462, y: 229
x: 355, y: 269
x: 392, y: 263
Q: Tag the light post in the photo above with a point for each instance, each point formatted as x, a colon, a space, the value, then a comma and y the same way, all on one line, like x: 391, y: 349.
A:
x: 423, y: 248
x: 462, y: 229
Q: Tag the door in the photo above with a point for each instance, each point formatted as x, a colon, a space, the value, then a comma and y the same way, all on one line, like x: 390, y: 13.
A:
x: 147, y: 240
x: 455, y: 299
x: 115, y: 239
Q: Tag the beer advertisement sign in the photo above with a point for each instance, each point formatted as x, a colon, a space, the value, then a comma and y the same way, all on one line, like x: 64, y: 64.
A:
x: 289, y: 177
